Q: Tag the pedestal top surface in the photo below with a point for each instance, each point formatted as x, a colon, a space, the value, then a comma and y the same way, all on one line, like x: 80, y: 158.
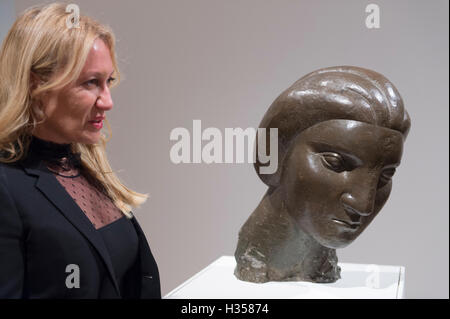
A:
x: 362, y: 281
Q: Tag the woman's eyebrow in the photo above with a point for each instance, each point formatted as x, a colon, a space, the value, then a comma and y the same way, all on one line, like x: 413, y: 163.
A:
x: 100, y: 74
x: 346, y: 153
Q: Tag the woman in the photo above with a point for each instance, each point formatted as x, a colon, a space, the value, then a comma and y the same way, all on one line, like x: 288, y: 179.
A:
x: 66, y: 226
x: 340, y: 136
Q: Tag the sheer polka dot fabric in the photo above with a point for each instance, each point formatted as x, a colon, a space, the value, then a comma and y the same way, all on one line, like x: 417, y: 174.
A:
x: 98, y: 207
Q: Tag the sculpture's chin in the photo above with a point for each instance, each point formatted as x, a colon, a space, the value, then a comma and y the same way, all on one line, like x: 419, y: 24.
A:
x: 333, y: 239
x: 329, y: 234
x: 334, y: 243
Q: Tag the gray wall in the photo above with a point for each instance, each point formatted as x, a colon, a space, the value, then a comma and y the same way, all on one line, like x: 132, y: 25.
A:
x: 224, y: 62
x: 7, y: 16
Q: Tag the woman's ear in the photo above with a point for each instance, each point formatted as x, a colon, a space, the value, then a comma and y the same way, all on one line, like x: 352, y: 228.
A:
x: 35, y: 81
x: 36, y: 104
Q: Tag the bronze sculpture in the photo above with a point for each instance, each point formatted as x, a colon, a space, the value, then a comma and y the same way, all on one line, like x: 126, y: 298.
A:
x: 340, y: 137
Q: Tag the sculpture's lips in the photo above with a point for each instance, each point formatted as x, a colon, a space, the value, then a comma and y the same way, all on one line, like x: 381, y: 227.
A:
x: 351, y: 225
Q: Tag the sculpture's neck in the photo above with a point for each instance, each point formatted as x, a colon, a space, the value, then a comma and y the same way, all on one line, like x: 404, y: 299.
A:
x: 272, y: 238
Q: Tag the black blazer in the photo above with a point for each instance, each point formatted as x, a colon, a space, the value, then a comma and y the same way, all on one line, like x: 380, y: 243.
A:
x: 42, y: 231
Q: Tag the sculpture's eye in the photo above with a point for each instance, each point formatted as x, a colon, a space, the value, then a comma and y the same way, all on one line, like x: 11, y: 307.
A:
x: 333, y: 161
x: 386, y: 176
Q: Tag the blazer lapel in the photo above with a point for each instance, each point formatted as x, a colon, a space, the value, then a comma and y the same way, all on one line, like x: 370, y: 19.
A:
x: 55, y: 192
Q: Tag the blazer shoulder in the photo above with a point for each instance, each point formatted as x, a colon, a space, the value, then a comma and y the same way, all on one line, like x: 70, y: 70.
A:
x: 14, y: 177
x: 10, y: 170
x: 10, y: 166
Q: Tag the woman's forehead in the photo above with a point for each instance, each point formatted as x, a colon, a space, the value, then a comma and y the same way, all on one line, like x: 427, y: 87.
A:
x: 99, y: 59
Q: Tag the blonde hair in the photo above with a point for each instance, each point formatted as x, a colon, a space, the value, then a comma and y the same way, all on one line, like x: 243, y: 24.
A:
x: 40, y: 45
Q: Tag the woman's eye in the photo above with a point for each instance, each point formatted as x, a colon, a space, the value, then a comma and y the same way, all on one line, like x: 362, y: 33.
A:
x: 93, y: 82
x: 333, y: 161
x: 96, y: 82
x: 111, y: 80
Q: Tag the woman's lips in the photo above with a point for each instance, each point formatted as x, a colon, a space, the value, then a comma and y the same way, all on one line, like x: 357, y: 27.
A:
x: 97, y: 124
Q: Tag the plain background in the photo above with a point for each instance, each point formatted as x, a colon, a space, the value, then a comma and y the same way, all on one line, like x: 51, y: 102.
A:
x: 7, y: 16
x: 224, y: 62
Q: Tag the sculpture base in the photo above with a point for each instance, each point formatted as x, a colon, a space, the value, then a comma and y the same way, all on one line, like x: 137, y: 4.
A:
x: 217, y: 281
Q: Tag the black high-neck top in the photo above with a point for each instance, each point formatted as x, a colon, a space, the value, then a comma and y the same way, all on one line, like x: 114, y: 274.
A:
x: 115, y: 228
x: 57, y: 154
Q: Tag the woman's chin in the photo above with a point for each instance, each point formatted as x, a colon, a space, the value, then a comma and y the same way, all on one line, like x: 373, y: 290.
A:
x: 90, y: 139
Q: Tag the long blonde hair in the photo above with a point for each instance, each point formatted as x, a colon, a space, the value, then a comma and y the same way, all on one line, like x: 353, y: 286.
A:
x: 41, y: 45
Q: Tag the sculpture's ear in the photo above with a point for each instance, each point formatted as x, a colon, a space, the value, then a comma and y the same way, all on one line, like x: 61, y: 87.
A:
x: 269, y: 172
x: 277, y: 116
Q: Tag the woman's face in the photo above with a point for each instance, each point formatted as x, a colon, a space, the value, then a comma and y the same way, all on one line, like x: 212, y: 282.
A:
x: 337, y: 178
x: 75, y: 113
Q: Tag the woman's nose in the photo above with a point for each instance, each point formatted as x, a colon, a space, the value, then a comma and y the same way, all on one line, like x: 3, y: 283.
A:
x: 104, y: 101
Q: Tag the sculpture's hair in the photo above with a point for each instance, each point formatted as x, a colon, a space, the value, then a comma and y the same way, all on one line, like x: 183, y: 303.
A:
x: 40, y: 54
x: 342, y: 92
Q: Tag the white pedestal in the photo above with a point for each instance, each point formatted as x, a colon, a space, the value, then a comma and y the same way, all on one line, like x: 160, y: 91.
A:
x: 217, y: 281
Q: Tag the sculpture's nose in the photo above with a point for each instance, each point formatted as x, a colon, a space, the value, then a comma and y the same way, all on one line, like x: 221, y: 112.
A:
x: 360, y: 201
